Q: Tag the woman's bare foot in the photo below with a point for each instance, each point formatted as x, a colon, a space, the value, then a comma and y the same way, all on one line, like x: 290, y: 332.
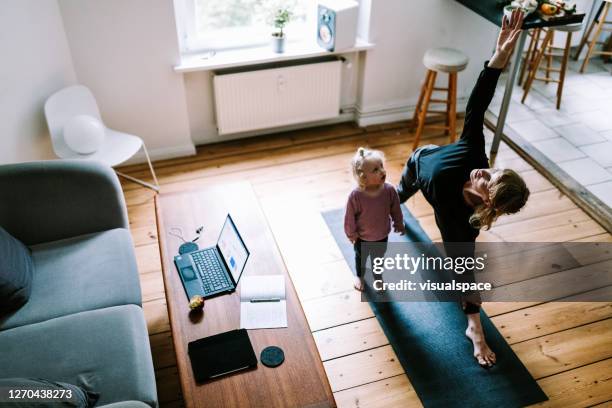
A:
x: 482, y: 353
x: 359, y: 284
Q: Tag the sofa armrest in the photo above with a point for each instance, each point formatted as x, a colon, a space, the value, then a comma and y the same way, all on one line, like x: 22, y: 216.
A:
x: 126, y: 404
x: 49, y: 200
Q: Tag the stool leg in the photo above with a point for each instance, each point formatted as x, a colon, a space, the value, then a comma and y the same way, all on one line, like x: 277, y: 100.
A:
x: 415, y: 117
x: 536, y: 65
x: 452, y: 115
x: 549, y: 56
x: 535, y: 35
x: 534, y: 52
x: 448, y: 105
x: 568, y: 44
x: 423, y: 111
x: 585, y: 36
x: 600, y: 25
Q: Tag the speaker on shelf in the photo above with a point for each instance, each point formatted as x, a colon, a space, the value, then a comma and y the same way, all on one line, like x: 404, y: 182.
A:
x: 337, y: 24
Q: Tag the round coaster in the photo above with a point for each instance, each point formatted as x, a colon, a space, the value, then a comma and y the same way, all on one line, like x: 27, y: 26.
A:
x: 188, y: 247
x: 272, y: 356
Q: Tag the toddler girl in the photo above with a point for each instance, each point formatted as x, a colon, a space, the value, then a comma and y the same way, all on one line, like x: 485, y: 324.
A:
x: 370, y: 208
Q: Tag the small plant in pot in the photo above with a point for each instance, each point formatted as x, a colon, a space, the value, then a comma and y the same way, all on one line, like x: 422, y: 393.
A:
x: 280, y: 20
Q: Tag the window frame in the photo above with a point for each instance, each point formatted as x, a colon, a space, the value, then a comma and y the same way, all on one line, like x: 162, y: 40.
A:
x: 192, y: 43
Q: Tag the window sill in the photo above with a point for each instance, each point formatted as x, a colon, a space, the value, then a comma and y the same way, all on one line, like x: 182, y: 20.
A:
x: 260, y: 55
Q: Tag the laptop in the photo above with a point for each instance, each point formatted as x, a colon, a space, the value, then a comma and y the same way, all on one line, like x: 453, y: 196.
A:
x: 216, y: 270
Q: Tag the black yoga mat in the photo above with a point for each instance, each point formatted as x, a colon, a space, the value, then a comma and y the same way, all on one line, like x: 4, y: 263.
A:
x: 429, y: 340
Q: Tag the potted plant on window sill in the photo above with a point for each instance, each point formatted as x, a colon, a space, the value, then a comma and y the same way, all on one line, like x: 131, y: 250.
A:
x: 281, y: 18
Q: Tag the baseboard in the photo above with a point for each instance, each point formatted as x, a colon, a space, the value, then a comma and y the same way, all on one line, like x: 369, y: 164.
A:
x: 401, y: 112
x: 162, y: 153
x: 348, y: 113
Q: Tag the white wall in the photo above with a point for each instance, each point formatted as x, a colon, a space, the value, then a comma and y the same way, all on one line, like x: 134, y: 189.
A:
x: 35, y: 62
x: 402, y: 31
x: 124, y: 51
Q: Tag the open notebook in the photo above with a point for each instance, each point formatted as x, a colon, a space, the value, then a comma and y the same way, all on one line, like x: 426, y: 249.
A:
x: 262, y: 302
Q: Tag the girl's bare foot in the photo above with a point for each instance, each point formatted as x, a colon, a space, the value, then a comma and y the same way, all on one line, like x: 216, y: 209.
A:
x: 482, y: 353
x: 359, y: 284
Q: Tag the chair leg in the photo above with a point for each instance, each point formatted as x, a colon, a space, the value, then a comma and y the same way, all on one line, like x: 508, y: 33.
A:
x: 452, y: 114
x: 568, y: 44
x: 415, y: 117
x: 154, y: 187
x: 586, y: 35
x: 600, y: 25
x: 144, y: 147
x: 423, y: 110
x: 536, y: 65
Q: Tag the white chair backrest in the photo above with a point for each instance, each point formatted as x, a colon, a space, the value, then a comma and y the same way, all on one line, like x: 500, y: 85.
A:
x: 65, y: 104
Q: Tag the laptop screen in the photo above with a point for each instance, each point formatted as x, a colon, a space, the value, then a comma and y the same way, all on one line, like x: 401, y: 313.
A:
x: 232, y: 248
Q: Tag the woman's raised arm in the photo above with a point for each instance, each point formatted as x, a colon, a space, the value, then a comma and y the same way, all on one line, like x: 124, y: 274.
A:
x: 487, y: 81
x: 506, y: 41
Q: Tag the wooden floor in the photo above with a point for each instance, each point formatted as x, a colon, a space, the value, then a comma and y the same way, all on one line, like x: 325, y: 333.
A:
x: 567, y: 347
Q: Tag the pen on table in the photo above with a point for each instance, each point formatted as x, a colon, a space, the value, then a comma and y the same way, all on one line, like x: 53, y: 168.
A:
x: 265, y: 300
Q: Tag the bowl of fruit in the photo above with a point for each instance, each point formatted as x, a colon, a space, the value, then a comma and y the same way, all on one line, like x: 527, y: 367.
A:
x: 556, y: 8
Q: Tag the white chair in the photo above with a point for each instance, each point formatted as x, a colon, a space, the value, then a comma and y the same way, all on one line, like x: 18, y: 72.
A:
x: 117, y: 147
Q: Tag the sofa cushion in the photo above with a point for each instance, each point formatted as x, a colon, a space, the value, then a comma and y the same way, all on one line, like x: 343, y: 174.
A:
x: 105, y: 350
x: 83, y: 273
x: 16, y: 269
x: 71, y: 395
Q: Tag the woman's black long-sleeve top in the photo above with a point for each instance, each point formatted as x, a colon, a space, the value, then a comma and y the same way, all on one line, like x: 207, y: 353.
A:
x: 442, y: 171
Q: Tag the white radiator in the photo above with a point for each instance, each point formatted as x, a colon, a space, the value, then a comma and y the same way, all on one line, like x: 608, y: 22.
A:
x: 266, y: 98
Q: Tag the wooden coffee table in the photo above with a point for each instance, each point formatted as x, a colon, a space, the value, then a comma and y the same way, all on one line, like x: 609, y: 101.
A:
x: 300, y: 380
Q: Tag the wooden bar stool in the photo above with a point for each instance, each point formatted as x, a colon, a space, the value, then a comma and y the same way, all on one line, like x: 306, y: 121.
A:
x: 599, y: 21
x: 546, y: 50
x: 437, y: 60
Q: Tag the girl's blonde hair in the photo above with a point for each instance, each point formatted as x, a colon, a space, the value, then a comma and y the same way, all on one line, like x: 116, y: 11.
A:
x: 360, y: 158
x: 508, y: 194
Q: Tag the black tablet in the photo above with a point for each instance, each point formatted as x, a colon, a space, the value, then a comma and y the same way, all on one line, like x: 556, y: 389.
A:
x: 221, y: 354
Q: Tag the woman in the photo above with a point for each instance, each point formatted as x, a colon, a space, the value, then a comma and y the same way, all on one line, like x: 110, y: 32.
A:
x: 455, y: 179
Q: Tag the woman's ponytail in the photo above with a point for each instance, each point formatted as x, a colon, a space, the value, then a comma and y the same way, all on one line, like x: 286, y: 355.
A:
x: 483, y: 217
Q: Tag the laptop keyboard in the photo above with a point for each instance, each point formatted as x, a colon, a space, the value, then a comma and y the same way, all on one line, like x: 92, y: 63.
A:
x: 212, y: 273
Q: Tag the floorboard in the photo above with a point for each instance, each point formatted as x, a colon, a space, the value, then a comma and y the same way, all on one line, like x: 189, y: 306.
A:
x: 549, y: 318
x: 558, y: 352
x: 362, y: 368
x: 388, y: 393
x: 582, y: 387
x: 355, y: 336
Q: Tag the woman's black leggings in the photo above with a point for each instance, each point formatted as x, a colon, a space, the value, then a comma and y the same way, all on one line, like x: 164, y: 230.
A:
x: 408, y: 185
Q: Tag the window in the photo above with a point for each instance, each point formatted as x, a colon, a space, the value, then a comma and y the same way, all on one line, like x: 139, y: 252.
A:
x: 208, y: 25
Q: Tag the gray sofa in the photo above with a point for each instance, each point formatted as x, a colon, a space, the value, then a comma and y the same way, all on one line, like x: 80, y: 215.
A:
x: 83, y: 323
